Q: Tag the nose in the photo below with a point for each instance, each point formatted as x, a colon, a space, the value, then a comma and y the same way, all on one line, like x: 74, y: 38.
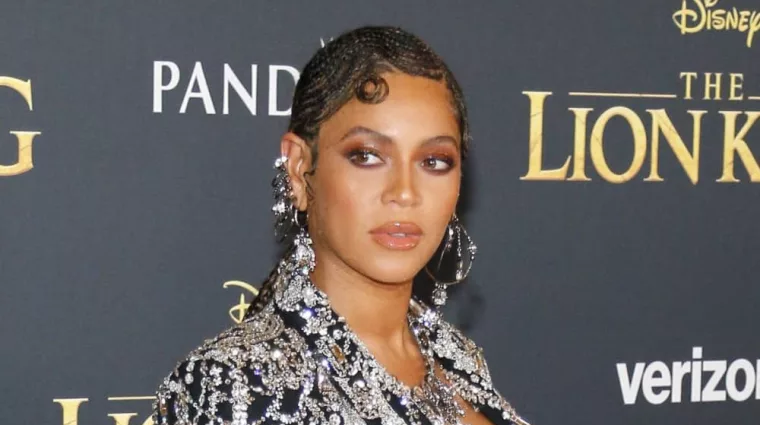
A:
x: 401, y: 188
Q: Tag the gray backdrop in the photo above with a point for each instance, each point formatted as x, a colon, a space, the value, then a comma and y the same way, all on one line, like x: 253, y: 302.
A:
x: 592, y: 298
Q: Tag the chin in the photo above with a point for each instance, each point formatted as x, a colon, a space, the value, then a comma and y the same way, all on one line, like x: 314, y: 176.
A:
x: 392, y: 270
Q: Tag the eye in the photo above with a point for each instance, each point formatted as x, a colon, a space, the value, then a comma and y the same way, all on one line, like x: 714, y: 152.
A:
x: 435, y: 163
x: 364, y: 157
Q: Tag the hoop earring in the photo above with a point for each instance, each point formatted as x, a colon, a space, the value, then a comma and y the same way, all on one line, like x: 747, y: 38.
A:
x: 455, y: 234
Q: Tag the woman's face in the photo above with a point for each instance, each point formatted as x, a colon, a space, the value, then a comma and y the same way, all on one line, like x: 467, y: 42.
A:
x: 387, y: 180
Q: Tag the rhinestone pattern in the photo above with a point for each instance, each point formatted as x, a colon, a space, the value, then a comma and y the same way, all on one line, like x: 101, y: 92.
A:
x: 297, y: 362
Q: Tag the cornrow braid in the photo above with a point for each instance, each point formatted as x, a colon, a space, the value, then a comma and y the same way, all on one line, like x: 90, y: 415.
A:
x: 351, y: 66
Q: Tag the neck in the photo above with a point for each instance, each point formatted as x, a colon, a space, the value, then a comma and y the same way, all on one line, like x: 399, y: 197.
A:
x: 374, y: 310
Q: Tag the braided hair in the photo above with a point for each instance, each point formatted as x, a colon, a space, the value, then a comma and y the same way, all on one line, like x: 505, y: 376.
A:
x: 351, y: 66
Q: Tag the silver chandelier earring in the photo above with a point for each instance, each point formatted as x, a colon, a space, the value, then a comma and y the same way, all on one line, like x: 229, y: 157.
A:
x: 285, y: 211
x: 455, y: 240
x: 300, y: 258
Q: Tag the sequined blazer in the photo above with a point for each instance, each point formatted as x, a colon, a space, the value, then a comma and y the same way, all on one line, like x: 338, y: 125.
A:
x: 296, y: 362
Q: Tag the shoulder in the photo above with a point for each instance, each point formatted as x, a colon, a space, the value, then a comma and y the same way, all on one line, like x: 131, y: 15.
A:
x: 451, y: 347
x: 465, y: 367
x: 450, y: 344
x: 240, y: 376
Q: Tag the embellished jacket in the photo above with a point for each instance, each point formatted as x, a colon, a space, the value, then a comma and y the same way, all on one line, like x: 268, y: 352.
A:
x: 295, y: 361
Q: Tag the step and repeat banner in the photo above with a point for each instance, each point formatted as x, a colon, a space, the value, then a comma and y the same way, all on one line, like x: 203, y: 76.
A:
x: 613, y: 189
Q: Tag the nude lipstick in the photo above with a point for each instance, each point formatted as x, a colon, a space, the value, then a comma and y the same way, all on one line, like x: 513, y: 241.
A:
x: 397, y: 235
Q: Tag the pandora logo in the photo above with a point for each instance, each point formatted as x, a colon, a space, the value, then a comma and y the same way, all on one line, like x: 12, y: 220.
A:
x: 212, y: 94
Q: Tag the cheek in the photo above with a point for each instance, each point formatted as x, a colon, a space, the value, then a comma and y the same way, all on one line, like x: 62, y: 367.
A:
x: 440, y: 192
x: 346, y: 198
x: 440, y: 196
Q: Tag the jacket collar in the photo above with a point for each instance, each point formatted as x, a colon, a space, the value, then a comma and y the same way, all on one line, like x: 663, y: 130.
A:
x: 342, y: 358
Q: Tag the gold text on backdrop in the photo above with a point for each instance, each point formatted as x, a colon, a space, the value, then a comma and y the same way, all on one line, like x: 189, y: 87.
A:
x: 237, y: 312
x: 71, y: 406
x: 24, y: 139
x: 660, y: 124
x: 706, y: 17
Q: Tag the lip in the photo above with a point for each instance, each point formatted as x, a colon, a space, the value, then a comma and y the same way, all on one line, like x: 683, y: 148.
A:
x: 397, y: 235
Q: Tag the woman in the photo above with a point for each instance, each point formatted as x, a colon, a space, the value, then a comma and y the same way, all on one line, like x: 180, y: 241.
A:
x: 365, y: 194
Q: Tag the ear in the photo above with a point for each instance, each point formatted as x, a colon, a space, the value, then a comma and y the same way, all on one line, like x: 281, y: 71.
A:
x: 299, y: 162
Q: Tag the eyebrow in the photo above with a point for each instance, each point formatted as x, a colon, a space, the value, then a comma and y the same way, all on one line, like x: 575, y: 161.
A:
x: 383, y: 138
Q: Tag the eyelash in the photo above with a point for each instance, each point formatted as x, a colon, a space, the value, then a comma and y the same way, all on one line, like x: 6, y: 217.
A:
x: 442, y: 158
x: 354, y: 154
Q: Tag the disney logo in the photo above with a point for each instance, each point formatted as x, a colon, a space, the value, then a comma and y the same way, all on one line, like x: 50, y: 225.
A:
x: 237, y: 312
x: 704, y: 16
